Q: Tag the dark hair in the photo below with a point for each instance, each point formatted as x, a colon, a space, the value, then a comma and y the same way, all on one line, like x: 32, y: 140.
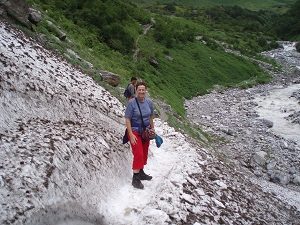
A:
x: 140, y: 83
x: 133, y: 78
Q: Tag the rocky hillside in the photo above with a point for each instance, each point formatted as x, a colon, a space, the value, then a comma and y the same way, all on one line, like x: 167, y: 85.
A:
x: 59, y: 132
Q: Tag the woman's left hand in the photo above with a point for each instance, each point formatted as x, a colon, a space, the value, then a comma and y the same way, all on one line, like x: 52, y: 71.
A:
x: 133, y: 139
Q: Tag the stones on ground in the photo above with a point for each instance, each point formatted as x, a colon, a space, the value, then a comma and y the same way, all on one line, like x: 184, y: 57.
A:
x: 231, y: 114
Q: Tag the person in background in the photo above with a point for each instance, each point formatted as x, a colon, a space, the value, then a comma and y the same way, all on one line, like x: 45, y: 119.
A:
x: 131, y: 87
x: 135, y: 128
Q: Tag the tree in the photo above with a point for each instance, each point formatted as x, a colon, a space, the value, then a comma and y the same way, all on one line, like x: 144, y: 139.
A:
x: 288, y: 26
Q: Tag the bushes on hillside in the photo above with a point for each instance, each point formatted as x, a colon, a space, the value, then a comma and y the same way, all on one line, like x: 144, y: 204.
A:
x: 170, y: 8
x: 240, y: 18
x: 117, y: 38
x: 116, y: 22
x: 170, y: 32
x: 247, y: 31
x: 288, y: 26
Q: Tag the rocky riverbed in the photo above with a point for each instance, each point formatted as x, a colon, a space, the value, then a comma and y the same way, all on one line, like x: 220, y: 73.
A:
x: 258, y: 128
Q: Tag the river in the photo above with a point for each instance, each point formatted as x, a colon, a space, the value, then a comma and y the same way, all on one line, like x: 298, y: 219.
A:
x: 276, y: 107
x: 278, y: 104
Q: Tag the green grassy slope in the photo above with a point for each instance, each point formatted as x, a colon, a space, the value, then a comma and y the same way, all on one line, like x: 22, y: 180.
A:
x: 276, y: 5
x: 186, y: 67
x: 194, y: 69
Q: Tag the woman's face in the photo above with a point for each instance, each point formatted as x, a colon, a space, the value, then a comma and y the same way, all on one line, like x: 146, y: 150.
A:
x: 141, y: 91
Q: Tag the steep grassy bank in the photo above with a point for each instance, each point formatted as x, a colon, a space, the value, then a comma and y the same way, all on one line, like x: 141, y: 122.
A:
x: 104, y: 33
x: 194, y: 69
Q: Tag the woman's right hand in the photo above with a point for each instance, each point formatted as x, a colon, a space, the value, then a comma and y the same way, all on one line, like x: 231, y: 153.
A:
x: 133, y: 139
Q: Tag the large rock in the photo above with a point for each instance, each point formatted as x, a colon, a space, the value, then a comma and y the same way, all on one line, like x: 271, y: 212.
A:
x: 56, y: 30
x: 153, y: 62
x: 110, y: 78
x: 17, y: 10
x: 2, y: 12
x: 280, y: 177
x: 34, y: 16
x: 296, y: 180
x: 71, y: 54
x: 268, y: 123
x: 260, y: 158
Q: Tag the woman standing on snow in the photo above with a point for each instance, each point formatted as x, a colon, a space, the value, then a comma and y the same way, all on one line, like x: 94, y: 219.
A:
x: 135, y: 127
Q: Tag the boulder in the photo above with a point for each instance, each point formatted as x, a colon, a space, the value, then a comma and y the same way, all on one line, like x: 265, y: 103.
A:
x: 296, y: 180
x: 153, y: 62
x: 169, y: 58
x: 17, y: 10
x: 2, y: 12
x: 228, y: 131
x: 34, y: 16
x: 268, y: 123
x: 279, y: 177
x: 71, y: 54
x: 56, y: 30
x: 110, y: 78
x: 198, y: 38
x: 271, y: 165
x: 260, y: 158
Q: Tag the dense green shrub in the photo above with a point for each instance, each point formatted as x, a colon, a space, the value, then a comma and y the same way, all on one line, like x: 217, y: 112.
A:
x: 238, y: 17
x: 170, y: 8
x: 110, y: 18
x: 170, y: 32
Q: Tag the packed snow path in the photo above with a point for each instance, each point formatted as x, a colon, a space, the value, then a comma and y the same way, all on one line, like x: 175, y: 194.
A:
x: 169, y: 165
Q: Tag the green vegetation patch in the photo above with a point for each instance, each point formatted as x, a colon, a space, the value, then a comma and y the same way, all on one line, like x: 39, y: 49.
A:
x: 194, y: 68
x: 105, y: 33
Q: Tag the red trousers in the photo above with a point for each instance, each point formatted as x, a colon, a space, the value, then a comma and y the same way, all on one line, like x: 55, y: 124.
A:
x: 140, y: 152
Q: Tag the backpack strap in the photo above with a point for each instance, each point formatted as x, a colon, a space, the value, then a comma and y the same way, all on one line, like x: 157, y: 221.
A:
x: 137, y: 102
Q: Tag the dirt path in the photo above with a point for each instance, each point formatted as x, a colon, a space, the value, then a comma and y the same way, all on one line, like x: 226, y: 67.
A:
x: 145, y: 30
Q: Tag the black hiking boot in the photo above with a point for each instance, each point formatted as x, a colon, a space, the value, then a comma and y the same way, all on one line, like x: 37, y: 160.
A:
x: 144, y: 176
x: 136, y: 182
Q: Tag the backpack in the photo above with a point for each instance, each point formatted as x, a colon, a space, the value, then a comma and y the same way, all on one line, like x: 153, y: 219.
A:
x: 127, y: 93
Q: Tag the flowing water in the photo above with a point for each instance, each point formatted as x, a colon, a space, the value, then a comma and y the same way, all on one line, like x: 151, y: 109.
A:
x: 278, y: 105
x: 74, y: 222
